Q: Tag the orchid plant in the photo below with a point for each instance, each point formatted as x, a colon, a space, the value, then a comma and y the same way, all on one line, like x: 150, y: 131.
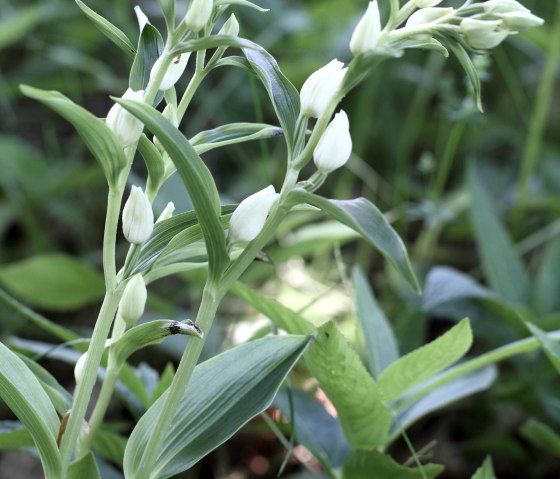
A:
x: 205, y: 405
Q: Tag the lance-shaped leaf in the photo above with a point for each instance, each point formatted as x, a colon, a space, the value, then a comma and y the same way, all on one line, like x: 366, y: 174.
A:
x: 241, y: 3
x: 97, y: 136
x: 117, y: 36
x: 424, y: 362
x: 362, y: 464
x: 23, y: 394
x: 154, y: 165
x: 222, y: 395
x: 467, y: 64
x: 150, y: 47
x: 364, y: 218
x: 195, y: 176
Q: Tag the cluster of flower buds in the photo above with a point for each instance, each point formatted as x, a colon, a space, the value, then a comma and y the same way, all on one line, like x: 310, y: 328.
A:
x: 137, y: 217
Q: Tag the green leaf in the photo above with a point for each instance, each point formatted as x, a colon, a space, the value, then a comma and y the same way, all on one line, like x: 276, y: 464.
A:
x: 364, y: 218
x: 231, y: 134
x: 150, y: 48
x: 374, y: 465
x: 501, y: 264
x: 24, y: 396
x: 364, y: 417
x: 382, y: 348
x: 283, y: 95
x: 469, y: 68
x: 283, y: 317
x: 222, y: 395
x: 109, y: 445
x: 109, y: 30
x: 53, y: 281
x: 486, y: 471
x: 550, y: 348
x: 542, y: 436
x: 547, y: 282
x: 83, y: 468
x: 242, y: 3
x: 424, y: 362
x: 154, y: 165
x: 14, y: 436
x: 196, y: 177
x: 97, y: 136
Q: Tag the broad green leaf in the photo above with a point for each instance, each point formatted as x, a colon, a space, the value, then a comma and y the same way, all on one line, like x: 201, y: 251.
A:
x: 22, y: 393
x: 283, y: 317
x: 196, y: 177
x: 425, y: 362
x: 486, y: 471
x: 241, y: 3
x: 97, y: 136
x: 150, y: 47
x: 547, y: 282
x: 501, y: 264
x: 550, y: 348
x: 154, y: 165
x: 222, y: 395
x: 382, y: 348
x: 53, y: 281
x: 15, y: 27
x: 469, y: 68
x: 83, y: 468
x: 113, y: 33
x: 374, y: 465
x: 444, y: 284
x: 542, y: 436
x: 109, y: 445
x: 363, y: 217
x: 445, y: 394
x: 14, y: 436
x: 314, y: 427
x: 231, y: 134
x: 283, y: 95
x: 364, y: 417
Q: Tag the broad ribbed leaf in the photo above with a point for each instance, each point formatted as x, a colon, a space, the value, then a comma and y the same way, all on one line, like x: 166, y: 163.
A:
x: 150, y: 47
x: 283, y: 95
x: 425, y: 362
x: 502, y: 266
x: 222, y: 395
x: 374, y: 465
x: 113, y: 33
x: 23, y: 394
x: 83, y: 468
x: 364, y: 417
x: 364, y: 217
x: 486, y: 471
x: 196, y: 177
x: 231, y: 134
x: 97, y: 136
x: 382, y: 348
x: 53, y: 281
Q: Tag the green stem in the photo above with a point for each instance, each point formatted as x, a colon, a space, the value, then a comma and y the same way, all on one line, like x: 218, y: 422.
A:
x: 208, y: 307
x: 83, y: 391
x: 193, y: 85
x: 540, y: 113
x: 444, y: 168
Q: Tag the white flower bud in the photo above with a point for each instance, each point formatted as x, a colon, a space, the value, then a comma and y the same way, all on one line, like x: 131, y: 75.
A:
x: 367, y: 31
x: 167, y: 212
x: 319, y: 89
x: 174, y: 71
x: 427, y: 15
x: 137, y: 217
x: 503, y: 6
x: 426, y: 3
x: 335, y: 146
x: 141, y: 17
x: 483, y: 34
x: 517, y: 21
x: 230, y: 27
x: 127, y: 127
x: 198, y: 15
x: 133, y: 301
x: 248, y: 219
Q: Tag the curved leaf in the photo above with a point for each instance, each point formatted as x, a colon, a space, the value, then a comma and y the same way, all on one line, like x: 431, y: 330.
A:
x: 97, y: 136
x: 23, y: 394
x: 196, y: 178
x: 222, y: 395
x: 150, y: 47
x: 364, y: 217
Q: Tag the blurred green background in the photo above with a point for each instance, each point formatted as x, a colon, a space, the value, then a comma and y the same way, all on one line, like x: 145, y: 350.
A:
x: 417, y: 137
